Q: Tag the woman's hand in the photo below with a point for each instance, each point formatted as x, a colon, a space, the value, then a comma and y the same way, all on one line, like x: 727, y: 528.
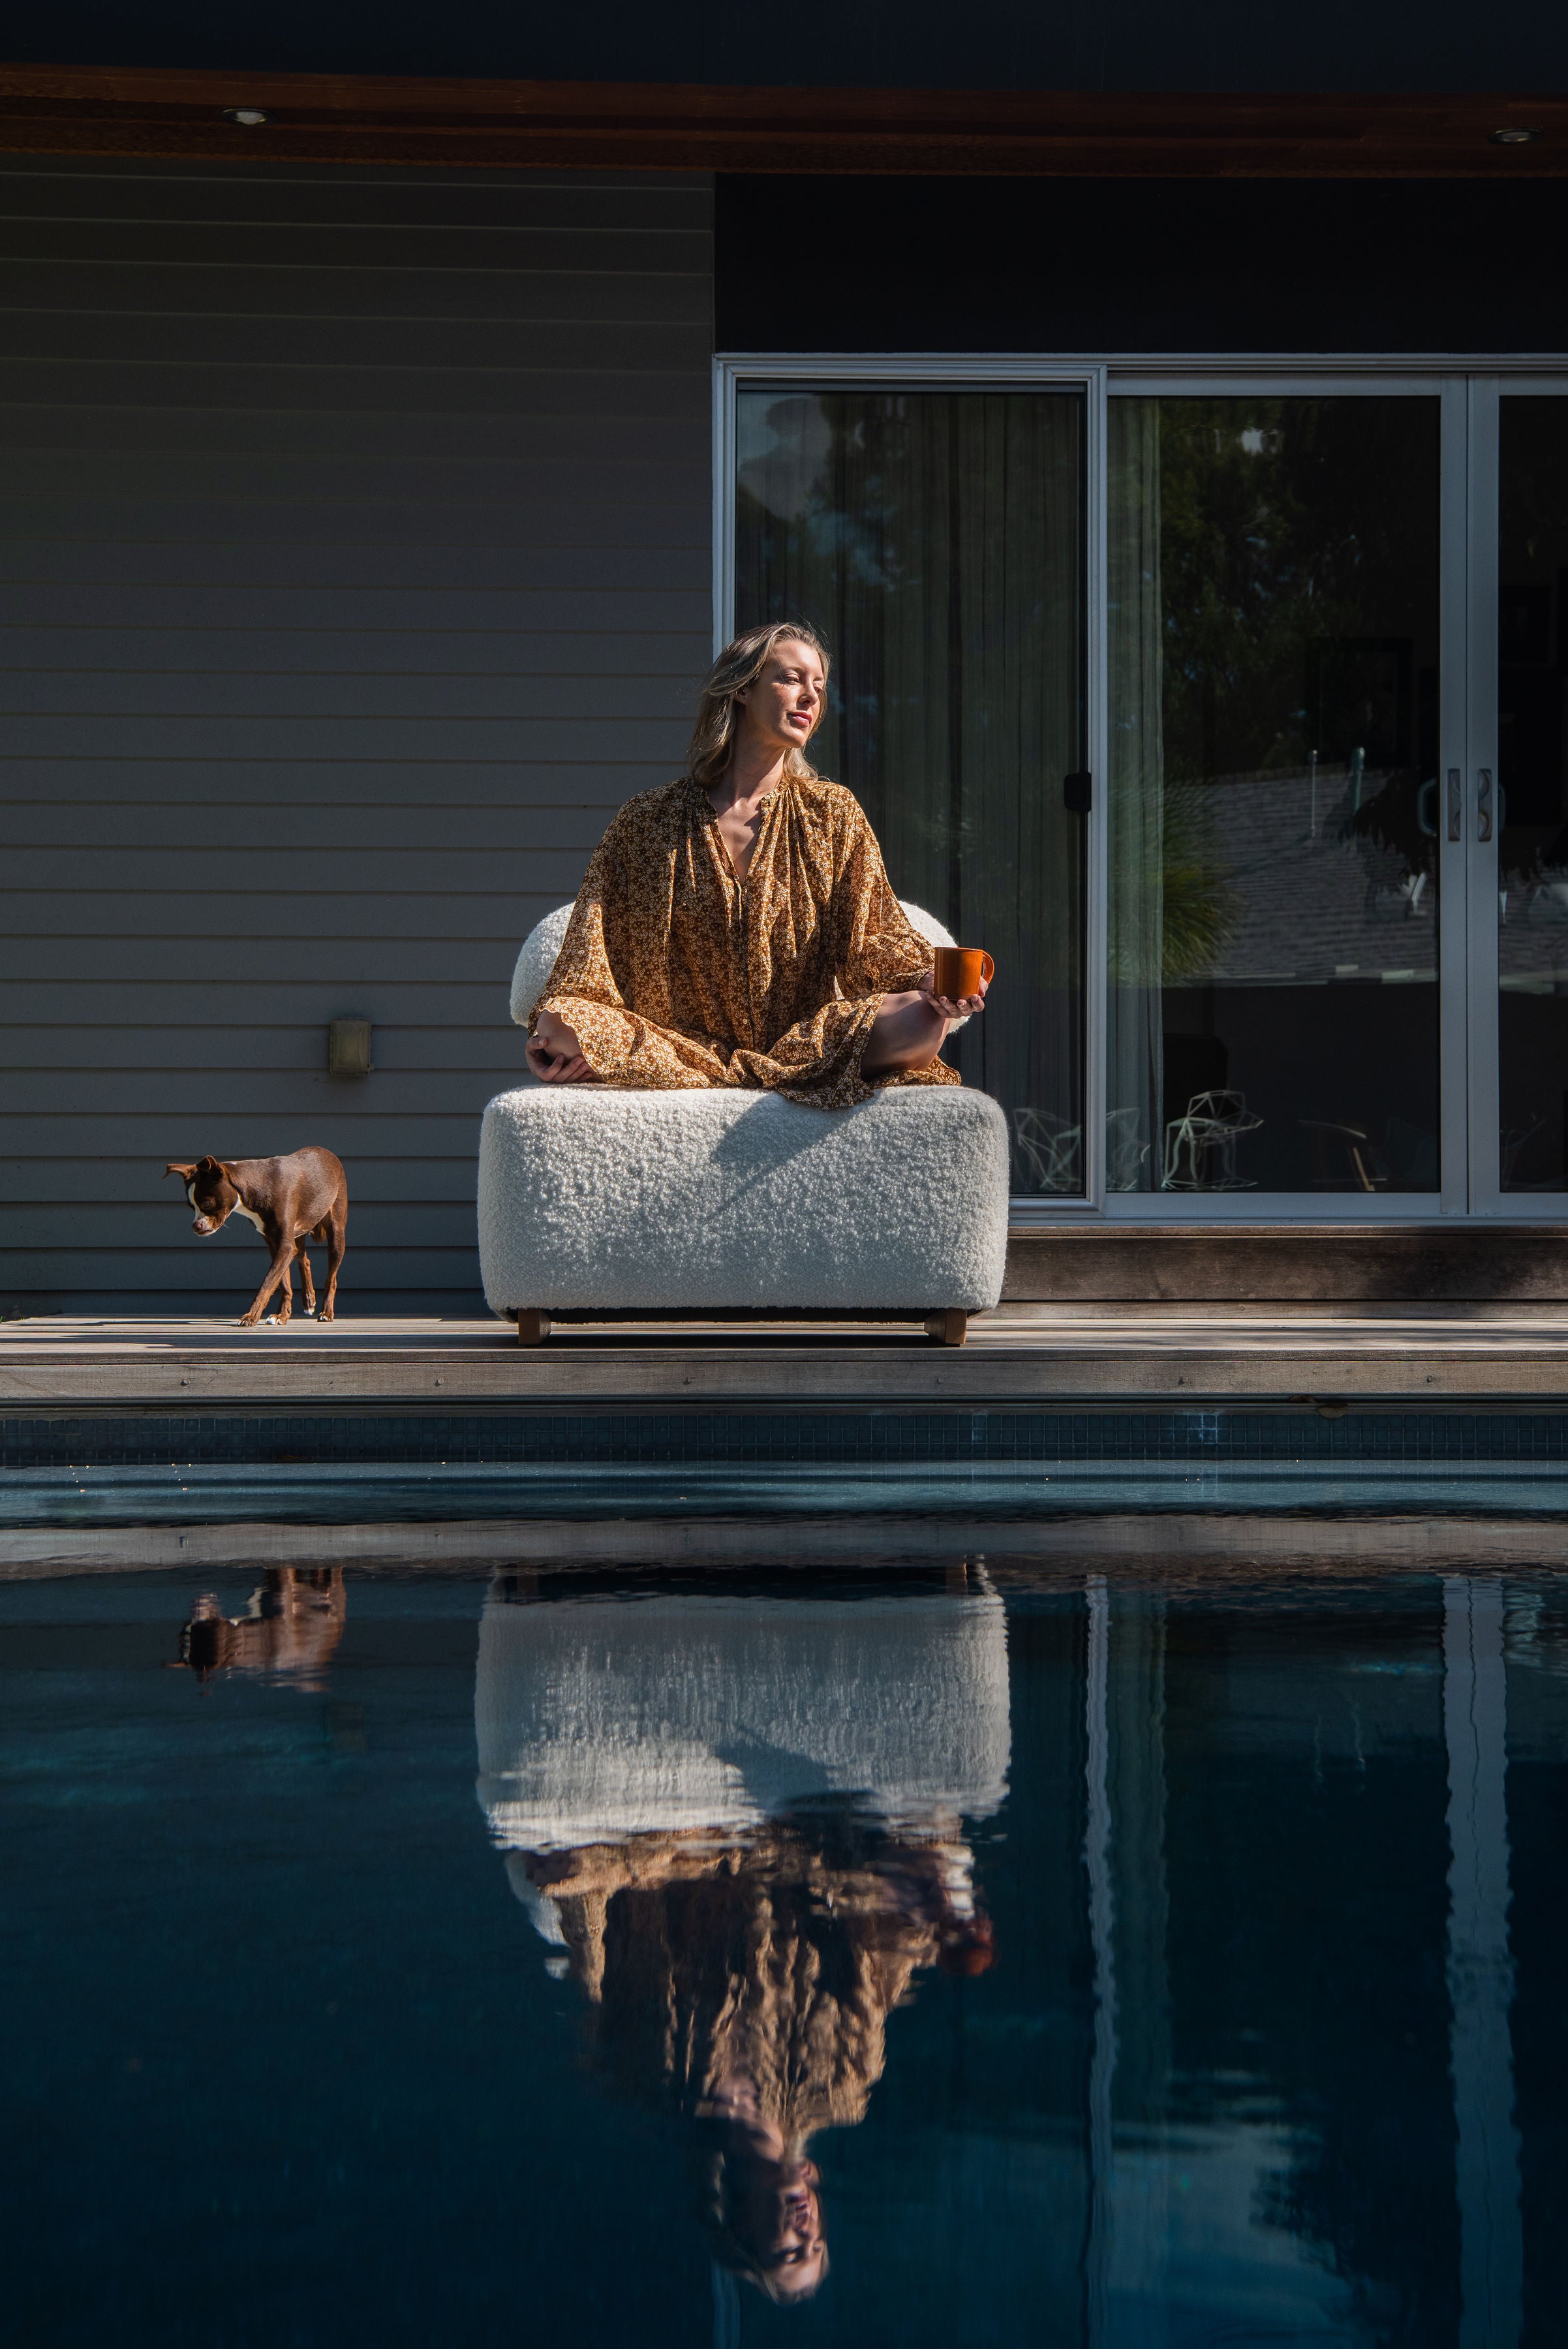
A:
x: 947, y: 1007
x: 554, y: 1055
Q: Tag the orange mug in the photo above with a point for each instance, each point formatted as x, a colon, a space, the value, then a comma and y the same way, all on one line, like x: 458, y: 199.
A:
x: 959, y: 971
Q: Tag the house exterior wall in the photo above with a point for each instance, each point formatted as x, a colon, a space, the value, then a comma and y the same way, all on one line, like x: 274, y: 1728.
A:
x: 355, y: 566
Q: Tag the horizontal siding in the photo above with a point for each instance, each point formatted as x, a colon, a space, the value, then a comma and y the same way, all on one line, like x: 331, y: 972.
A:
x: 254, y: 824
x: 324, y: 783
x: 250, y: 562
x: 144, y: 1135
x: 201, y: 1276
x: 118, y: 961
x: 239, y: 650
x: 70, y: 697
x: 287, y: 913
x: 41, y: 1054
x: 243, y: 196
x: 354, y: 567
x: 122, y: 1184
x: 631, y: 393
x: 212, y: 608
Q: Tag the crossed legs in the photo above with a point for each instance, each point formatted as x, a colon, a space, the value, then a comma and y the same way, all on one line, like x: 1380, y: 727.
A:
x: 906, y: 1033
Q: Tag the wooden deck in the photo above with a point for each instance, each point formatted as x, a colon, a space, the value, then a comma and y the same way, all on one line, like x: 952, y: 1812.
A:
x: 1025, y: 1355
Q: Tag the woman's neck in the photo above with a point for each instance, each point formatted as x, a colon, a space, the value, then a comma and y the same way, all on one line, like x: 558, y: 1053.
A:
x: 755, y: 769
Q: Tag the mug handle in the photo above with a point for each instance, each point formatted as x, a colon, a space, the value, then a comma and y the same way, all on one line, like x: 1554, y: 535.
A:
x: 988, y: 973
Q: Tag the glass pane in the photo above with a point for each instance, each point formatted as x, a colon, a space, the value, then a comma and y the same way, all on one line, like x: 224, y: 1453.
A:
x: 935, y: 540
x: 1532, y: 840
x: 1274, y: 795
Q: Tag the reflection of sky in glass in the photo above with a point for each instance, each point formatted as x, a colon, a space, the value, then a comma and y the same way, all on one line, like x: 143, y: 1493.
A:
x: 1090, y: 1957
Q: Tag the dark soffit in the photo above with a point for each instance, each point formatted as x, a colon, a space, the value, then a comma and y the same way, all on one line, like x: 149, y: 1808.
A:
x: 697, y: 127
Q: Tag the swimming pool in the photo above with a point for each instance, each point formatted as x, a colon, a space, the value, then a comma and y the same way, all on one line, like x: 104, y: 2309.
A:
x: 964, y: 1949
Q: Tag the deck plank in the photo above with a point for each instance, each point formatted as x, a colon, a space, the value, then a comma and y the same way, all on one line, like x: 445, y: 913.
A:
x: 1181, y: 1356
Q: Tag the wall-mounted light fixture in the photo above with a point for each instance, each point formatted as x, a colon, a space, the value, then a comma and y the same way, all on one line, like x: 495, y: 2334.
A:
x: 1513, y: 137
x: 349, y: 1048
x: 249, y: 118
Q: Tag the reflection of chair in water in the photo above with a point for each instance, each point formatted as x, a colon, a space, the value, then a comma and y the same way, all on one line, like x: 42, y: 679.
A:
x: 1047, y: 1152
x: 1343, y: 1158
x: 1200, y: 1145
x: 737, y: 1821
x: 602, y: 1718
x: 291, y: 1628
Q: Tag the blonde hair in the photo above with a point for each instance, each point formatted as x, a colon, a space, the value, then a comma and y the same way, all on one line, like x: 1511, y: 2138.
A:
x: 738, y: 666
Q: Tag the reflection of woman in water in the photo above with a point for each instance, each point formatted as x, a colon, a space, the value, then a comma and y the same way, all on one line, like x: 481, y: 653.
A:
x: 738, y: 1817
x: 748, y: 1990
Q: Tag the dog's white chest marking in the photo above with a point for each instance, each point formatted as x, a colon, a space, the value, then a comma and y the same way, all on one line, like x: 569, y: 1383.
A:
x: 238, y: 1207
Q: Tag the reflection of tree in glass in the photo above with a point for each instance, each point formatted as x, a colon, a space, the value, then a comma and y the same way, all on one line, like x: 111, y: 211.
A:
x: 1285, y: 523
x: 748, y: 1989
x: 1198, y: 908
x: 1297, y: 548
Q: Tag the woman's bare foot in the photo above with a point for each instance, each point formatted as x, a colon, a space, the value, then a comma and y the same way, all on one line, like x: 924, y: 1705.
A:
x: 910, y: 1029
x: 554, y: 1055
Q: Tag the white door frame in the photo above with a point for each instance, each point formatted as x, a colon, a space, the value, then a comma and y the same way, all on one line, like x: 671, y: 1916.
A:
x: 1469, y: 388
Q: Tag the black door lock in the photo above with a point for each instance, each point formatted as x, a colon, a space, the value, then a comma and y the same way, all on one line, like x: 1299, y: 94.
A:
x: 1075, y: 794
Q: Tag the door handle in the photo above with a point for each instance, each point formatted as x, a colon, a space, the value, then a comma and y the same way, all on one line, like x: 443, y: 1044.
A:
x: 1456, y: 805
x: 1483, y: 803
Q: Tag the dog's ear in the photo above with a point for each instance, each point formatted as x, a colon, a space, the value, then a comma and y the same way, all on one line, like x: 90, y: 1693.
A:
x: 211, y: 1166
x: 184, y: 1167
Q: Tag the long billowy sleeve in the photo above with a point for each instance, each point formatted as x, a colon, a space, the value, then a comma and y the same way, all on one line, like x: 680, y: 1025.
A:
x: 877, y: 950
x: 614, y: 923
x: 873, y: 951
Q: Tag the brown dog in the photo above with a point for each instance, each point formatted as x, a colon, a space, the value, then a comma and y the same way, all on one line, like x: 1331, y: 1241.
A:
x: 289, y: 1200
x: 291, y: 1628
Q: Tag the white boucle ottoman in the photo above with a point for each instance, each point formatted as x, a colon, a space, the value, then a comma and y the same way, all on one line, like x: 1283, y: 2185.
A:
x: 602, y: 1201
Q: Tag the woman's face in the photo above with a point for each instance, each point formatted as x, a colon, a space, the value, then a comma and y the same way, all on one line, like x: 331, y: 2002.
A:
x: 784, y: 2222
x: 785, y: 703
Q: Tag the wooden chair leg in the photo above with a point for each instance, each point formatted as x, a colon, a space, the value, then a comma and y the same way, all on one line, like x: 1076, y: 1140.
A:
x: 948, y: 1329
x: 532, y: 1327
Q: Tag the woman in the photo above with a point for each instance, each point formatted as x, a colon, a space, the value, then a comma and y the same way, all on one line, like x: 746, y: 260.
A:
x: 747, y: 1989
x: 737, y: 928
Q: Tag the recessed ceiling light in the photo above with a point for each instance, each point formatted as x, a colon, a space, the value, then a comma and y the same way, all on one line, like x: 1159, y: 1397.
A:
x: 249, y: 117
x: 1513, y: 137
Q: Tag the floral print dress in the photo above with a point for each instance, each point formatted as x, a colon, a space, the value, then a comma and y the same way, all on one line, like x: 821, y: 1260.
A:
x: 677, y: 974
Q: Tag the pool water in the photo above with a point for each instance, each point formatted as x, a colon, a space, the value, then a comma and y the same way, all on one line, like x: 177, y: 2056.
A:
x: 910, y: 1953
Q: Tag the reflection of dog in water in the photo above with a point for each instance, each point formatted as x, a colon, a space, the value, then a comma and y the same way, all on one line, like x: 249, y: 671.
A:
x: 290, y: 1628
x: 748, y: 1989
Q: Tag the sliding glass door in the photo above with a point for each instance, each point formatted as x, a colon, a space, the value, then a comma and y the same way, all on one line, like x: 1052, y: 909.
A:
x: 935, y: 538
x: 1276, y: 883
x: 1519, y: 858
x: 1299, y: 948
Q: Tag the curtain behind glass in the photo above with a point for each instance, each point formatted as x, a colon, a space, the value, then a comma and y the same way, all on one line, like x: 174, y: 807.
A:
x: 1136, y: 805
x: 934, y: 539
